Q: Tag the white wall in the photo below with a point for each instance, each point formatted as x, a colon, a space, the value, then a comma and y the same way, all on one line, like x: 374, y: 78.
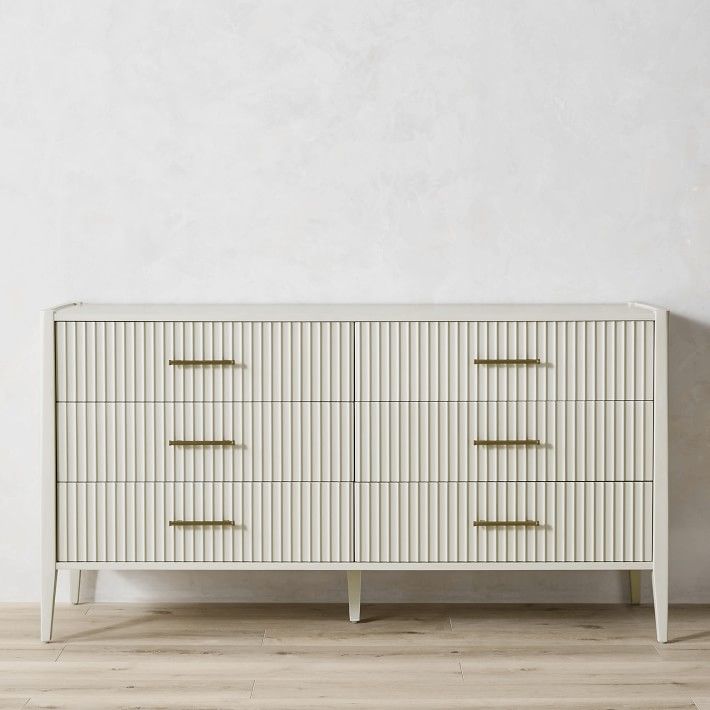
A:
x: 355, y: 150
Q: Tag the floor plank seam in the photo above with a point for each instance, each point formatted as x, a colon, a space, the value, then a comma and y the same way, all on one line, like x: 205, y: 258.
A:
x: 251, y: 692
x: 463, y: 677
x: 61, y: 651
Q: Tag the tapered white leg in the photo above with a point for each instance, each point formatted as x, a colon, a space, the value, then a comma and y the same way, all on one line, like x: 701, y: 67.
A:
x: 74, y: 585
x: 354, y: 588
x: 49, y: 586
x: 660, y: 478
x: 660, y: 603
x: 48, y: 547
x: 635, y: 586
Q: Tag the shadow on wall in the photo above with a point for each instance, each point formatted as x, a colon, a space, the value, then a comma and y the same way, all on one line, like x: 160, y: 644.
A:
x: 689, y: 407
x: 689, y: 452
x: 329, y: 587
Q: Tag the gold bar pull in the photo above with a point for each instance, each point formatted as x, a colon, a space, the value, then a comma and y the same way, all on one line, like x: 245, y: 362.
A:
x: 216, y: 442
x: 506, y: 523
x: 196, y: 523
x: 189, y: 363
x: 507, y: 361
x: 506, y: 442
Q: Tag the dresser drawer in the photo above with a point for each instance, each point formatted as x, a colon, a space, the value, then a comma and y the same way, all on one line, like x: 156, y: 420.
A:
x: 503, y: 441
x: 245, y: 522
x: 547, y: 522
x: 436, y: 361
x: 237, y: 441
x: 204, y: 361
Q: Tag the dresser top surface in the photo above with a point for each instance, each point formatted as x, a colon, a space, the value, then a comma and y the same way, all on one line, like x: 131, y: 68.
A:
x: 352, y: 312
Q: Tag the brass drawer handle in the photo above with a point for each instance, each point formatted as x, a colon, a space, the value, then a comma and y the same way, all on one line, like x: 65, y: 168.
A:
x: 216, y: 442
x: 195, y: 523
x: 201, y: 362
x: 507, y: 361
x: 506, y: 523
x: 506, y: 442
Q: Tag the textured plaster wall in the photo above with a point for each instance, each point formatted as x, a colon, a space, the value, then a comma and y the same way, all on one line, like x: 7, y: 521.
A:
x: 355, y: 150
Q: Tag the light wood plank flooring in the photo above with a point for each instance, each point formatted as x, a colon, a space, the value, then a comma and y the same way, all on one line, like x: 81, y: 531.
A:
x: 310, y: 656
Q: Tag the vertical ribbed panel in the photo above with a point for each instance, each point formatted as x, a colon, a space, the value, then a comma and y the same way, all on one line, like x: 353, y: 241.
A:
x: 579, y: 522
x: 303, y: 441
x: 434, y: 361
x: 128, y: 362
x: 274, y: 522
x: 434, y: 441
x: 421, y: 403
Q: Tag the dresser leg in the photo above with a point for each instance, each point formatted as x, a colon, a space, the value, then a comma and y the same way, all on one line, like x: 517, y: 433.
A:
x: 660, y: 603
x: 354, y: 588
x: 49, y: 586
x: 635, y: 586
x: 74, y: 585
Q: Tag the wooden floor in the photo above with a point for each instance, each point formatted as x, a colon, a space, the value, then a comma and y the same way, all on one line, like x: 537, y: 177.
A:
x: 301, y: 656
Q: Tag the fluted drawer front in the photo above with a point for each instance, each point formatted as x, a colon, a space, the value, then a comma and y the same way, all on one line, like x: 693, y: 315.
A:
x: 211, y: 442
x: 272, y: 522
x: 435, y: 361
x: 577, y: 522
x: 273, y: 362
x: 504, y: 441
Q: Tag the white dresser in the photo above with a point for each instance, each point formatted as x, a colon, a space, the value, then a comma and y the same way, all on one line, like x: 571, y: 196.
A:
x: 355, y: 437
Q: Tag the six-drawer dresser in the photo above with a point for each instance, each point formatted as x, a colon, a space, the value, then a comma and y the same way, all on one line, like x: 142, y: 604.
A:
x: 355, y: 437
